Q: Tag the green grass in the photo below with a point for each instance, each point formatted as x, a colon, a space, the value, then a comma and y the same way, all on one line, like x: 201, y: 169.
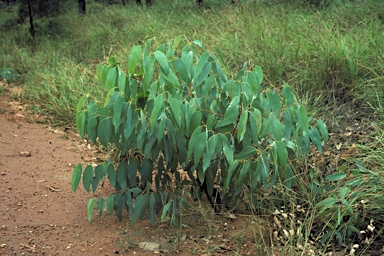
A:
x: 332, y: 56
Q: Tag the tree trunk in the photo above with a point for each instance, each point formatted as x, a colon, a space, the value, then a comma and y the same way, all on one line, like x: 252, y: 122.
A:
x: 31, y: 25
x: 199, y: 2
x: 147, y: 2
x: 82, y: 8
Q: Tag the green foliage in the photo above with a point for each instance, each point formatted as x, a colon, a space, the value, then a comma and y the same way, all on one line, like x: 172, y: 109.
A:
x: 177, y: 110
x: 337, y: 211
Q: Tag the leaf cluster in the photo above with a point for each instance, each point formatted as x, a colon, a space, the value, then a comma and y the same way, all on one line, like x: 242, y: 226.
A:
x: 182, y: 114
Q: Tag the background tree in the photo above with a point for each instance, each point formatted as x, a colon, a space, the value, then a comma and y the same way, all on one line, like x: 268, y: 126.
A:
x: 37, y: 8
x: 82, y: 8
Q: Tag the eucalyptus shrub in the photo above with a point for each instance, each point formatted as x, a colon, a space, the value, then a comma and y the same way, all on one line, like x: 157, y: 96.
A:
x: 172, y: 111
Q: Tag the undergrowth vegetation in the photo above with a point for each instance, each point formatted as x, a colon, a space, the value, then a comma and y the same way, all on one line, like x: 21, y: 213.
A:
x: 332, y: 56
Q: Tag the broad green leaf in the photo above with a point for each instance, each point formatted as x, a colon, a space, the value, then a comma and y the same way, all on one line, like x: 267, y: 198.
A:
x: 134, y: 57
x: 282, y: 154
x: 336, y: 176
x: 254, y: 84
x: 231, y: 113
x: 197, y: 42
x: 165, y: 210
x: 246, y: 153
x: 130, y: 122
x: 76, y: 176
x: 99, y: 204
x: 109, y: 96
x: 122, y: 80
x: 267, y: 125
x: 277, y: 129
x: 117, y: 113
x: 95, y: 183
x: 328, y: 202
x: 91, y: 129
x: 104, y: 75
x: 148, y: 70
x: 217, y: 68
x: 149, y: 145
x: 175, y: 106
x: 172, y: 79
x: 228, y: 177
x: 242, y: 125
x: 111, y: 175
x: 289, y: 177
x: 80, y: 123
x: 314, y: 135
x: 133, y: 166
x: 227, y: 149
x: 112, y: 62
x: 118, y: 205
x: 289, y: 127
x: 80, y: 104
x: 140, y: 205
x: 87, y: 177
x: 157, y: 108
x: 142, y: 131
x: 323, y: 129
x: 199, y: 147
x: 91, y: 202
x: 204, y: 73
x: 303, y: 119
x: 193, y: 141
x: 256, y: 120
x: 181, y: 70
x: 288, y: 96
x: 99, y: 71
x: 210, y: 150
x: 146, y: 171
x: 206, y: 162
x: 263, y: 168
x: 161, y: 129
x: 104, y: 131
x: 163, y: 61
x: 242, y: 174
x: 195, y: 120
x: 188, y: 64
x: 259, y: 73
x: 121, y: 174
x: 110, y: 203
x: 112, y: 78
x: 274, y: 101
x: 208, y: 85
